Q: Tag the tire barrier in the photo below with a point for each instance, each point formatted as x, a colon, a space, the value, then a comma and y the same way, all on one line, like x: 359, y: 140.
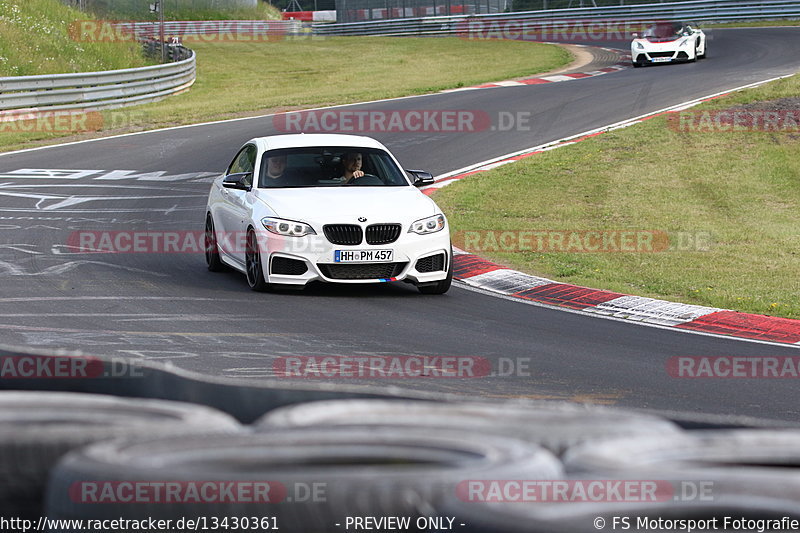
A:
x: 742, y: 465
x: 37, y: 428
x: 138, y: 378
x: 309, y: 480
x: 375, y: 452
x: 552, y: 425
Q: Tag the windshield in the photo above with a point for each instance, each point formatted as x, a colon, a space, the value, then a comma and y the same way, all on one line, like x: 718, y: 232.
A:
x: 329, y: 166
x: 665, y: 30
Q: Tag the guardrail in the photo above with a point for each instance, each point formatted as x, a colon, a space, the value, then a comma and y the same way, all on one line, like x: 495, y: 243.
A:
x: 212, y: 29
x: 697, y: 11
x: 99, y: 90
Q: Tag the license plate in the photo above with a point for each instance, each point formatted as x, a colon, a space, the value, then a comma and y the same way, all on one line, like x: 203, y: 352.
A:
x: 363, y: 256
x: 661, y: 59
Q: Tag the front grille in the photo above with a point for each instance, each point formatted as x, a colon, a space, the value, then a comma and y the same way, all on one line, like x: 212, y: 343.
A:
x: 661, y: 54
x: 288, y: 267
x: 345, y: 234
x: 682, y: 55
x: 362, y: 270
x: 382, y: 233
x: 432, y: 263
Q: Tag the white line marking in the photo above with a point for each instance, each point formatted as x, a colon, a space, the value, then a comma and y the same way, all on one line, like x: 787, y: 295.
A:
x: 14, y: 270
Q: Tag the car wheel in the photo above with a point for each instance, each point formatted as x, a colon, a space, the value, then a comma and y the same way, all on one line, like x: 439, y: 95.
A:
x: 213, y: 261
x: 252, y: 258
x: 440, y: 287
x: 696, y: 52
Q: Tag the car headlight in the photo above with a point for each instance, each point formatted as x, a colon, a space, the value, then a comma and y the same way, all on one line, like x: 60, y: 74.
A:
x: 683, y: 42
x: 287, y: 228
x: 427, y: 225
x: 639, y: 46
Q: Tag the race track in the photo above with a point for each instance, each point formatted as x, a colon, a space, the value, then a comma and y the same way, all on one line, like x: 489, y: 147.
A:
x: 169, y: 307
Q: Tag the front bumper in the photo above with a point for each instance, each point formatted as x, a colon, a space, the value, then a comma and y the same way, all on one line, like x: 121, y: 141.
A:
x: 660, y: 54
x: 300, y: 260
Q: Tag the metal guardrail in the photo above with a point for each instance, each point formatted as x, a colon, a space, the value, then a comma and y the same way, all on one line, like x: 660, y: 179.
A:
x: 697, y: 11
x: 213, y: 29
x: 99, y: 90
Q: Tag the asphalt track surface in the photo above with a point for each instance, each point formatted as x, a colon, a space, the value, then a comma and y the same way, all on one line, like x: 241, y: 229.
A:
x: 168, y: 307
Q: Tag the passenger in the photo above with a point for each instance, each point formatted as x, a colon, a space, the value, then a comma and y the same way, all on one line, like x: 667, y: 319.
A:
x: 276, y: 175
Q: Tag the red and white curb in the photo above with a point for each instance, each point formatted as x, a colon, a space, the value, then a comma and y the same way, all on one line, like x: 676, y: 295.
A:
x: 483, y: 274
x: 486, y: 275
x: 622, y: 64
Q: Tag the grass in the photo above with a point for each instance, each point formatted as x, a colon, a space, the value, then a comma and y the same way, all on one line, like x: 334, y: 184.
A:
x: 738, y: 190
x: 238, y: 79
x: 34, y: 40
x: 181, y: 10
x: 751, y: 24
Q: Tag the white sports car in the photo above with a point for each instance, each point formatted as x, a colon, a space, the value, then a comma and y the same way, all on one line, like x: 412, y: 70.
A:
x: 291, y: 209
x: 666, y: 42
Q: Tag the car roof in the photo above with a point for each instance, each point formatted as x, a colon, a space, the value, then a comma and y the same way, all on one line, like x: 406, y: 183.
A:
x: 299, y: 140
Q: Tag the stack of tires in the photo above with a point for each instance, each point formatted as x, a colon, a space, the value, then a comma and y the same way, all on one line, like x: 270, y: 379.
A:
x: 395, y: 465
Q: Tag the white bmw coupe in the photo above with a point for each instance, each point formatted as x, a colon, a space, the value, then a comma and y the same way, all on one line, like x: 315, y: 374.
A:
x: 666, y: 42
x: 291, y: 209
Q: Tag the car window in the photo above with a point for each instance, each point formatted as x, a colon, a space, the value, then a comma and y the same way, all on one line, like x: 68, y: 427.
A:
x: 325, y: 167
x: 244, y: 161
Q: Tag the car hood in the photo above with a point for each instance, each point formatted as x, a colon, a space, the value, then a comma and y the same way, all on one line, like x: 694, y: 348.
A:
x: 670, y: 44
x: 347, y: 204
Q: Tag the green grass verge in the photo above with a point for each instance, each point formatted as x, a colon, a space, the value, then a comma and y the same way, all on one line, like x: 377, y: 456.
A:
x: 34, y: 40
x: 181, y: 10
x: 238, y: 79
x: 740, y: 188
x: 751, y: 24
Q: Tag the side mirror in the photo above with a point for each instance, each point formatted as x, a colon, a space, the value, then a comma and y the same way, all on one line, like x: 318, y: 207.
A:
x: 421, y: 178
x: 635, y: 35
x: 242, y: 181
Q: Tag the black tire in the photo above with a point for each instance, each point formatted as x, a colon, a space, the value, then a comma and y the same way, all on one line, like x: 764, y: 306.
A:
x: 700, y: 474
x: 440, y: 287
x: 38, y: 428
x: 374, y: 472
x: 552, y: 425
x: 253, y: 264
x: 742, y: 465
x: 213, y: 261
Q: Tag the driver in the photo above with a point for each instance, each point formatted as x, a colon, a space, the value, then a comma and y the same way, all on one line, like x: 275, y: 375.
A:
x: 351, y: 161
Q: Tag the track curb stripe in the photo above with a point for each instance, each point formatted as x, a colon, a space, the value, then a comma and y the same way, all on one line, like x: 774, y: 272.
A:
x: 623, y: 64
x: 484, y: 274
